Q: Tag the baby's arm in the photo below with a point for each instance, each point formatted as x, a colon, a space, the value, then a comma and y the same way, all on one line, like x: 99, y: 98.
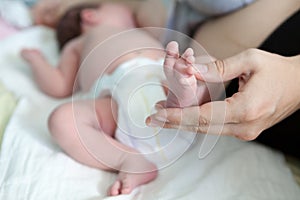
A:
x: 55, y: 81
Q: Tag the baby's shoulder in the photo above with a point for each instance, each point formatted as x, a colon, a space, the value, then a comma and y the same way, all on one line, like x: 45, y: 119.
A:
x: 75, y: 43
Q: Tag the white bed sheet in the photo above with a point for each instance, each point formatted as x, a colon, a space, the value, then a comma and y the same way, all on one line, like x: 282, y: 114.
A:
x: 33, y: 167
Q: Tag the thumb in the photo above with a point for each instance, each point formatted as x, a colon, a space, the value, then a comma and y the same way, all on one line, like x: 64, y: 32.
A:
x: 227, y: 69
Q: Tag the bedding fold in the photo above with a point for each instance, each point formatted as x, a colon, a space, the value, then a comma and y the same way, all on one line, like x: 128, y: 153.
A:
x: 7, y: 104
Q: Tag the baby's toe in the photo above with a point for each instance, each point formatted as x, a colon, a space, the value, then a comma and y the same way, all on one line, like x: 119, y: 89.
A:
x: 188, y: 56
x: 172, y: 54
x: 115, y: 189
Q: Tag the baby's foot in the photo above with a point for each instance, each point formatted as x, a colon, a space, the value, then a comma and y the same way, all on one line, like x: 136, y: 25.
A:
x: 182, y: 83
x: 126, y: 182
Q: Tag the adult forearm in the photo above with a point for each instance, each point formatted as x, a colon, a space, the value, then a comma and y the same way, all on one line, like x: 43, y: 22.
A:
x: 296, y: 60
x: 246, y: 28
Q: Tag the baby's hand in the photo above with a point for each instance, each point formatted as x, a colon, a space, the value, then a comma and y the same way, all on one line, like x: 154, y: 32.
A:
x: 34, y: 57
x: 31, y: 55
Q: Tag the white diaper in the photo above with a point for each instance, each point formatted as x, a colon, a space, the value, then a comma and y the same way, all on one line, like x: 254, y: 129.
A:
x: 136, y: 87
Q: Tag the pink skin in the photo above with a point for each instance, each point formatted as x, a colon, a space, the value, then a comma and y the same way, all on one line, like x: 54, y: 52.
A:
x: 182, y: 83
x: 126, y: 182
x: 32, y: 55
x: 133, y: 169
x: 97, y: 133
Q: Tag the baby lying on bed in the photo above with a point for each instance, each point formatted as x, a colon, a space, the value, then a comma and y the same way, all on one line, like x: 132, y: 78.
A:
x: 108, y: 132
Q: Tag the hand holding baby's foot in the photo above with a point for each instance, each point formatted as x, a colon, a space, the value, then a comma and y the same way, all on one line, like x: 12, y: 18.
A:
x: 181, y: 80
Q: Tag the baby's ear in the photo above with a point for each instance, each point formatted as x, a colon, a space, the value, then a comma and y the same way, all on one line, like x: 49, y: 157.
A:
x: 88, y: 16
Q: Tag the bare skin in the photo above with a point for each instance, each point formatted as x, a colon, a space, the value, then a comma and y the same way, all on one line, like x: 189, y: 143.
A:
x: 89, y: 139
x: 56, y: 84
x: 184, y: 89
x: 77, y: 50
x: 254, y: 108
x: 231, y: 34
x: 79, y: 67
x: 48, y: 12
x: 261, y: 102
x: 126, y: 182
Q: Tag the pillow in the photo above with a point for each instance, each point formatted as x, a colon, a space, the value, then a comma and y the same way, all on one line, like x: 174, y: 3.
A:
x: 16, y: 13
x: 6, y: 29
x: 7, y: 104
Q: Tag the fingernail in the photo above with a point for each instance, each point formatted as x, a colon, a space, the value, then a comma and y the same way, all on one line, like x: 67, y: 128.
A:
x: 151, y: 123
x: 161, y: 119
x: 201, y: 68
x: 158, y: 107
x: 161, y: 116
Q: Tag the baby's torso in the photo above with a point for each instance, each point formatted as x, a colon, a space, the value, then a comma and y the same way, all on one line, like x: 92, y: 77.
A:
x: 105, y: 48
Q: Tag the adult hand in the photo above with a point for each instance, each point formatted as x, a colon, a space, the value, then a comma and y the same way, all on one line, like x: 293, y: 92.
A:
x: 269, y: 91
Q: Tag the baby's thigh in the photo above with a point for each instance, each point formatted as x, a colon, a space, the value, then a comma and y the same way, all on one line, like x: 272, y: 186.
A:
x: 99, y: 114
x: 71, y: 117
x: 106, y: 110
x: 68, y: 118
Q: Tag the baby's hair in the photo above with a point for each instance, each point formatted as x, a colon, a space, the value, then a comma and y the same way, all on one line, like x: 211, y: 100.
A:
x: 69, y: 26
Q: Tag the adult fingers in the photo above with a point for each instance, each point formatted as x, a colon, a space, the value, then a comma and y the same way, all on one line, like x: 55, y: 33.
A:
x: 229, y: 68
x: 160, y: 105
x: 223, y: 129
x: 214, y: 129
x: 210, y: 113
x: 240, y: 131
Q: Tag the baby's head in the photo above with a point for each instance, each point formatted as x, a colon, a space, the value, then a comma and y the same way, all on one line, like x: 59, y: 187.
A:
x: 80, y: 19
x: 69, y: 26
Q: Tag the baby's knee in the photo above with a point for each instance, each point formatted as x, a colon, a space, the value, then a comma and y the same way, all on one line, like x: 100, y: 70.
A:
x: 59, y: 120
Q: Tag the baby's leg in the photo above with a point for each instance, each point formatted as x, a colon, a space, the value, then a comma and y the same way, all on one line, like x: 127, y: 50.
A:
x: 85, y: 131
x: 182, y: 84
